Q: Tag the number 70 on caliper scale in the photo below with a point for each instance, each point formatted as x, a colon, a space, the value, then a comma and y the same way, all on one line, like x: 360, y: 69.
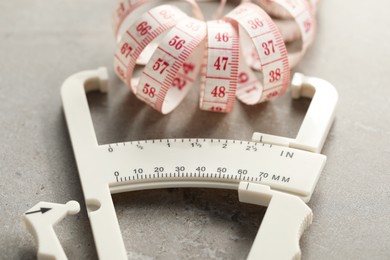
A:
x: 273, y: 171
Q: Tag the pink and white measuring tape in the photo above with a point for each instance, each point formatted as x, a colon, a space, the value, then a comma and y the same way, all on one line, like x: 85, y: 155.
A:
x: 241, y: 55
x: 220, y: 67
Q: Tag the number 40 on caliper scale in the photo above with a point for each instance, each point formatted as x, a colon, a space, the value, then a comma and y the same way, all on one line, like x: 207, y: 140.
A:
x: 277, y: 172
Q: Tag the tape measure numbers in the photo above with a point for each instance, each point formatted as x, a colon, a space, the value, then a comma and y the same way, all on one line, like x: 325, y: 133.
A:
x: 255, y: 68
x: 220, y: 67
x: 302, y: 14
x: 175, y: 63
x: 139, y: 35
x: 257, y: 28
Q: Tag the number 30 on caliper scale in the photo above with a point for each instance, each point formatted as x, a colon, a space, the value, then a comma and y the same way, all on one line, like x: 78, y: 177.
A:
x: 277, y: 172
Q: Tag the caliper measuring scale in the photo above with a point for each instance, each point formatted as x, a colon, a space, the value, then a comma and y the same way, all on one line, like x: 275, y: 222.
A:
x: 277, y: 172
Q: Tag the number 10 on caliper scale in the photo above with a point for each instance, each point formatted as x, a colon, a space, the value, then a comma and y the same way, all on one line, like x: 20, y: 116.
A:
x: 272, y: 171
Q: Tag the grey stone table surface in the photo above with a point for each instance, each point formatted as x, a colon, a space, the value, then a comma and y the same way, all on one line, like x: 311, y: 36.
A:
x: 42, y: 42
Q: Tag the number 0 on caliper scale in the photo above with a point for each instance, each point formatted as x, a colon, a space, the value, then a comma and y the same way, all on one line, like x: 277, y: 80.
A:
x: 271, y: 171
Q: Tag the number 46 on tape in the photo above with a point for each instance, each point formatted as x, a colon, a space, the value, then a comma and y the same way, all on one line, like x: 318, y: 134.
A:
x: 277, y: 172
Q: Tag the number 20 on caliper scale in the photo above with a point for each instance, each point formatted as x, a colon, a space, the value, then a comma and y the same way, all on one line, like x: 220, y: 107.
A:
x: 277, y: 172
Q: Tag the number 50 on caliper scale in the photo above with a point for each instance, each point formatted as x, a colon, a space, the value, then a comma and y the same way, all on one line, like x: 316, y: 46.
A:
x: 271, y: 171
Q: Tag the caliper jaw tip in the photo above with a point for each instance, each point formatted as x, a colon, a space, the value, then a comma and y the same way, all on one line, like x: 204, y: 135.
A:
x: 284, y: 222
x: 39, y: 221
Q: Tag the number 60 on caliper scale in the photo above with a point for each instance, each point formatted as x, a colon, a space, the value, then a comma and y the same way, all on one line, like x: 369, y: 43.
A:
x: 273, y: 171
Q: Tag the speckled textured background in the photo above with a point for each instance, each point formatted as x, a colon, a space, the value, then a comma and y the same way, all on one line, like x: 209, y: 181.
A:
x: 42, y: 42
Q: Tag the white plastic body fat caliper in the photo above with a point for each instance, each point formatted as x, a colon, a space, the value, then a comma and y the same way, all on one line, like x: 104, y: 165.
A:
x: 277, y: 172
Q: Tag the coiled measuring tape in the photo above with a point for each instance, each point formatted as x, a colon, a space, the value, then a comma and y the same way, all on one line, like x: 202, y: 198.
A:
x: 242, y: 55
x: 276, y: 172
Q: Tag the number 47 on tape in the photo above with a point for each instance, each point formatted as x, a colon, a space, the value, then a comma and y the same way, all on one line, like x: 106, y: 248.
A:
x: 277, y: 172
